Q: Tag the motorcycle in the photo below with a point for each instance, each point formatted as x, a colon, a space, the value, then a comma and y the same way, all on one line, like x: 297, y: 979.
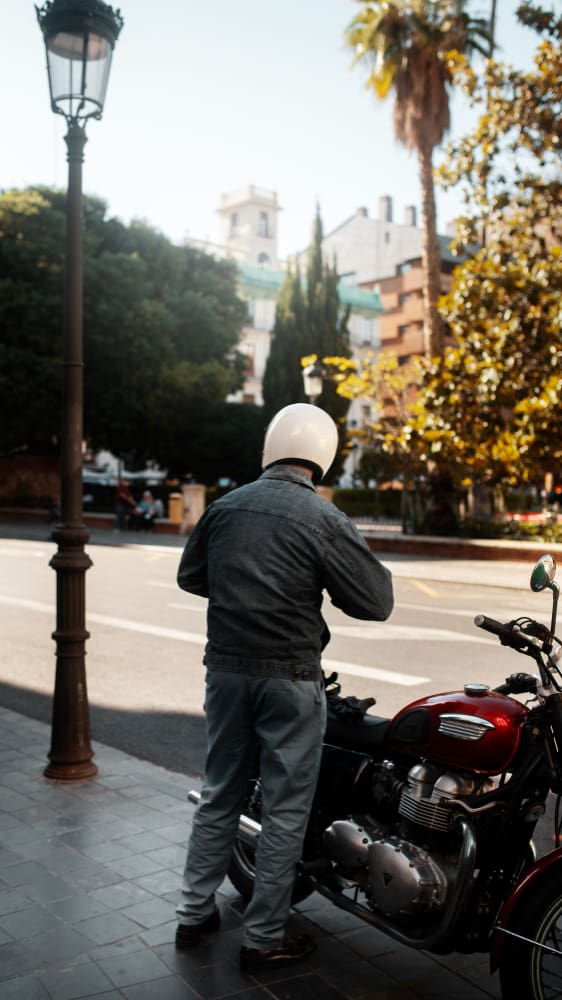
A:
x: 422, y: 824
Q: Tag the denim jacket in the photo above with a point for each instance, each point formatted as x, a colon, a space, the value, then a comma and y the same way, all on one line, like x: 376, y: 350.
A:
x: 263, y: 555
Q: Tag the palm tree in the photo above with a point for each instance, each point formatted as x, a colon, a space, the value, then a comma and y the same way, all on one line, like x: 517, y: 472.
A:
x: 405, y: 44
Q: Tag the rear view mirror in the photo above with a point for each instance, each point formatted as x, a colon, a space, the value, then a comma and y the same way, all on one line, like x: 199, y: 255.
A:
x: 544, y: 572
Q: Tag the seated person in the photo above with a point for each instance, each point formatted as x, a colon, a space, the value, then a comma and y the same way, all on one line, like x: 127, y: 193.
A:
x: 146, y: 512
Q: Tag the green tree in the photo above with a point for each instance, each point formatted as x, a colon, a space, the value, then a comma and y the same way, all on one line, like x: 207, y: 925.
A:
x: 161, y: 328
x: 31, y: 276
x: 225, y: 443
x: 406, y: 45
x: 494, y: 408
x: 327, y: 332
x: 282, y: 380
x: 391, y: 448
x: 309, y: 320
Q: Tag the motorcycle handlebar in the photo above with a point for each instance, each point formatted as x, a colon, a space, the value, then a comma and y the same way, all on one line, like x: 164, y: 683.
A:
x: 510, y: 634
x: 518, y: 684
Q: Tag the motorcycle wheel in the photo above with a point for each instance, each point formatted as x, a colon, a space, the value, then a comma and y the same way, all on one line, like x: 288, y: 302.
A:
x: 242, y: 868
x: 528, y: 972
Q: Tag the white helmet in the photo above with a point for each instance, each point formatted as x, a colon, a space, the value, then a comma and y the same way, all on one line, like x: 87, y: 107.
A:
x: 301, y: 434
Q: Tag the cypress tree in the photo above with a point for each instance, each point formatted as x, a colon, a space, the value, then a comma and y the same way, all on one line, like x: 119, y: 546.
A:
x: 327, y: 332
x: 282, y: 380
x: 306, y: 322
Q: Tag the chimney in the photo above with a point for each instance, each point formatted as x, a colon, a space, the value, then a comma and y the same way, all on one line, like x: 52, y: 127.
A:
x: 410, y: 216
x: 385, y: 208
x: 362, y: 211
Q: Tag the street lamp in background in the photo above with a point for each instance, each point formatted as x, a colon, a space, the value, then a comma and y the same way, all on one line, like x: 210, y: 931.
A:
x: 79, y: 38
x: 313, y: 376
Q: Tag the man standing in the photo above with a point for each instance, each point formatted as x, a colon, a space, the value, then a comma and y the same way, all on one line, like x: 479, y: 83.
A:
x: 263, y: 555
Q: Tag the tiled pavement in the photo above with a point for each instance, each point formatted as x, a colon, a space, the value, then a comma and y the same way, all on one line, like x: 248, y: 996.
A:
x: 89, y: 878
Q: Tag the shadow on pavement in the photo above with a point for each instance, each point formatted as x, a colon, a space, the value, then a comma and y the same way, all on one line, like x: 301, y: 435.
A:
x: 174, y: 740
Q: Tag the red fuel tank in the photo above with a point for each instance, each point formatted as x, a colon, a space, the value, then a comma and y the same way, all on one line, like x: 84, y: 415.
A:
x: 474, y: 729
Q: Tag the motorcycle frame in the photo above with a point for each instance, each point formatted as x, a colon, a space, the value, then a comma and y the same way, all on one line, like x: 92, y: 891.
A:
x: 543, y: 868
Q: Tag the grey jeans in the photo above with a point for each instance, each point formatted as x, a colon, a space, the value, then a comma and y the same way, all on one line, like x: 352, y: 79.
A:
x: 285, y: 721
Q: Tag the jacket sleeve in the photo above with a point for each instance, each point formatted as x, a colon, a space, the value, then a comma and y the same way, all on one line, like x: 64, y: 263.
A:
x: 356, y: 581
x: 192, y: 570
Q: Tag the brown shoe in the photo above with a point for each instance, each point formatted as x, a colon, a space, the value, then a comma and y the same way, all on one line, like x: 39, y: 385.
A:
x: 290, y: 950
x: 188, y: 935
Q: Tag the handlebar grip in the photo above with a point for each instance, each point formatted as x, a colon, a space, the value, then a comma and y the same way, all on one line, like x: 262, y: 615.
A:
x: 489, y: 625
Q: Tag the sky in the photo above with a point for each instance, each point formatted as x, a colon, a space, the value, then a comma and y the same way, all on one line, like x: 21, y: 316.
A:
x: 207, y: 97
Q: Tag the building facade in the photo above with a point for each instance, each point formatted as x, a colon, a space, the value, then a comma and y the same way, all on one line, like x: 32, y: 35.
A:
x: 248, y: 235
x: 378, y: 262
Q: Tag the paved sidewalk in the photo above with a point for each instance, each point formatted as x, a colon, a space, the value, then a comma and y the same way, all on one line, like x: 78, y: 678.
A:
x: 89, y: 879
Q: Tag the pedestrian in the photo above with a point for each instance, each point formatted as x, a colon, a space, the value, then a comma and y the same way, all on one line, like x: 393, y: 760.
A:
x: 125, y: 504
x: 145, y: 514
x: 263, y: 554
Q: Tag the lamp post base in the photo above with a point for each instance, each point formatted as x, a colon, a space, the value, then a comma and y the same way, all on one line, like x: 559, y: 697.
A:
x: 70, y: 755
x: 70, y: 770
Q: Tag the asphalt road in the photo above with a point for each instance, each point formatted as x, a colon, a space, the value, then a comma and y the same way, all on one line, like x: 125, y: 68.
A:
x: 144, y: 669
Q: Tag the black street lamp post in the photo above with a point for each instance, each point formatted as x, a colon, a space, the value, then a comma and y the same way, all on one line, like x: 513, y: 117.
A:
x: 313, y: 377
x: 79, y: 38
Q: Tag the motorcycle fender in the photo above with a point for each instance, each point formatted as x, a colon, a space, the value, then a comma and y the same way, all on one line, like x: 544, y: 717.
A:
x: 517, y: 896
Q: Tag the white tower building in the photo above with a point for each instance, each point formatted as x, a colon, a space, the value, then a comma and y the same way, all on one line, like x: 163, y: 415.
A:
x: 248, y: 225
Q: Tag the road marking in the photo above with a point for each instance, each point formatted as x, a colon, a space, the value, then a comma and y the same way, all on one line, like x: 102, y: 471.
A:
x: 160, y: 583
x: 163, y: 633
x: 408, y: 633
x: 189, y: 607
x: 342, y: 666
x: 124, y: 623
x: 386, y: 632
x: 427, y: 609
x: 22, y: 602
x: 425, y: 589
x: 12, y: 551
x: 374, y: 673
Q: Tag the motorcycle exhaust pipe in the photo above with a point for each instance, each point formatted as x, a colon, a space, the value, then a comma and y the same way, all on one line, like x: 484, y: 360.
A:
x: 248, y: 829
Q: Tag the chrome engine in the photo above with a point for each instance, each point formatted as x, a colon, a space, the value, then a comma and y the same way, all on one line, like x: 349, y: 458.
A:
x: 403, y: 878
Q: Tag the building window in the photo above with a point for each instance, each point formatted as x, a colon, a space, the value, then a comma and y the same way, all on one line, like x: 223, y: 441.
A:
x: 263, y: 258
x: 234, y: 230
x: 366, y: 332
x: 263, y: 224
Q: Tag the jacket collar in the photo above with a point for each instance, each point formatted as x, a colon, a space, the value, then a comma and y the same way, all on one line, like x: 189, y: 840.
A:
x: 290, y: 474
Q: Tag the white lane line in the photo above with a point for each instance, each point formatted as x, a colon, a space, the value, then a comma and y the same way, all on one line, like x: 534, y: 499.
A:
x: 158, y: 630
x: 433, y: 611
x: 189, y: 607
x: 125, y: 623
x: 7, y: 551
x: 22, y: 602
x: 385, y: 633
x: 161, y: 583
x: 374, y: 673
x: 357, y: 670
x: 460, y: 612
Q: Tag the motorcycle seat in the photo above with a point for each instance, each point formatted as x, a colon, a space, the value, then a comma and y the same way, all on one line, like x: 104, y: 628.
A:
x: 366, y: 735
